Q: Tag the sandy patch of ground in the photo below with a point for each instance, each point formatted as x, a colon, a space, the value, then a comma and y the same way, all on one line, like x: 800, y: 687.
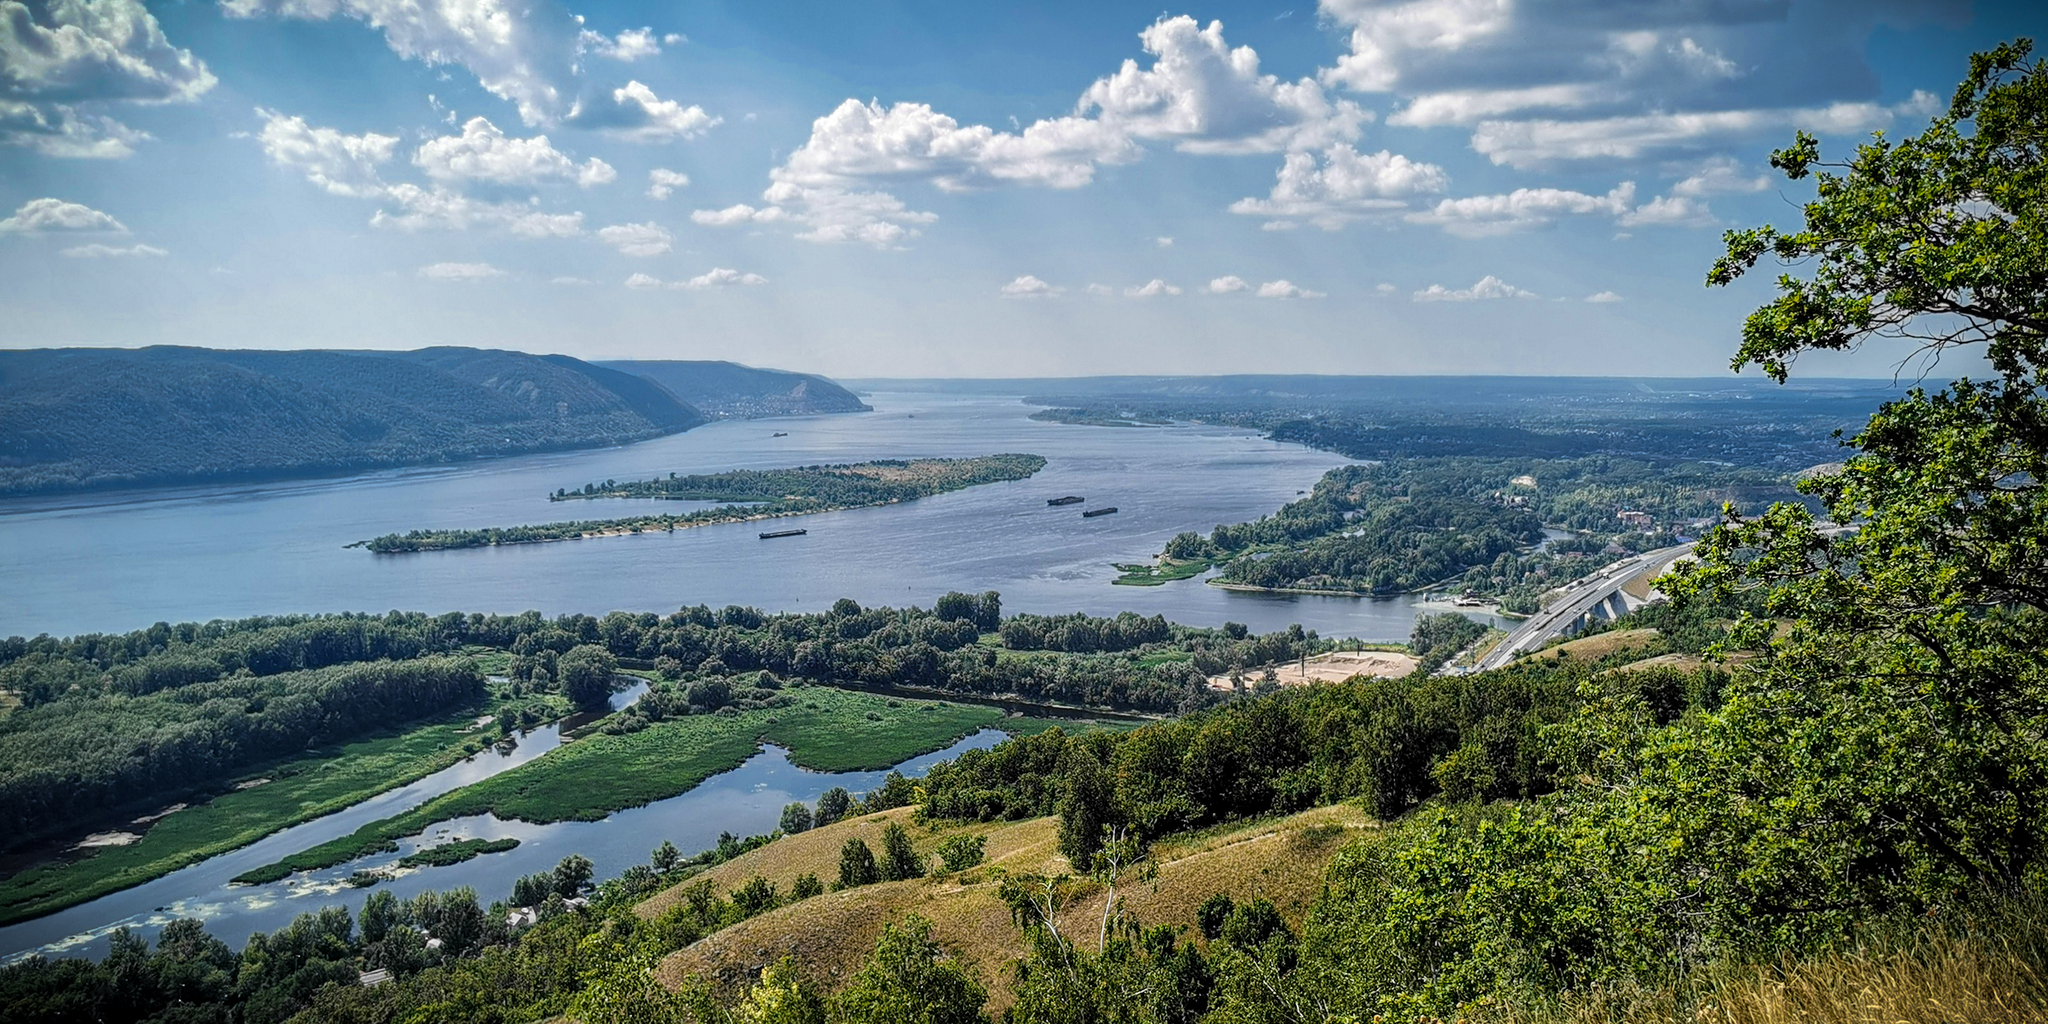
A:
x: 100, y: 839
x: 1334, y: 667
x: 251, y: 783
x: 165, y: 813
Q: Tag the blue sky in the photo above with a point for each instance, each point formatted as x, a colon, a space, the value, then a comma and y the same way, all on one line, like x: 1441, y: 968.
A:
x: 936, y: 188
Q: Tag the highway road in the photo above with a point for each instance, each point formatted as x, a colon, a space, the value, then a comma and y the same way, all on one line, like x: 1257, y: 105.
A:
x: 1582, y: 597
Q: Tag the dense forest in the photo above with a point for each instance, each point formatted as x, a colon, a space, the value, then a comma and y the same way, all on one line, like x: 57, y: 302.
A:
x: 1388, y: 527
x: 114, y: 721
x: 724, y: 389
x: 83, y: 418
x: 768, y: 493
x: 69, y: 760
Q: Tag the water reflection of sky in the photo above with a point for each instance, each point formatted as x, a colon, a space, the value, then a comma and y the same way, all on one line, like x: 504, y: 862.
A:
x: 745, y: 801
x: 121, y: 561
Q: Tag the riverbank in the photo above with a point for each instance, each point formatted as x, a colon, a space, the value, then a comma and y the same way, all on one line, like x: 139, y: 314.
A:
x: 823, y: 728
x: 268, y: 799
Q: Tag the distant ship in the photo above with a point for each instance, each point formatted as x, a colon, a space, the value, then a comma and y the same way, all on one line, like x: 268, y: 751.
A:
x: 1093, y: 512
x: 1071, y: 499
x: 782, y: 433
x: 783, y: 533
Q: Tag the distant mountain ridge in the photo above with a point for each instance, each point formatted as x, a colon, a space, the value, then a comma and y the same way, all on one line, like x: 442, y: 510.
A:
x: 76, y: 419
x: 729, y: 390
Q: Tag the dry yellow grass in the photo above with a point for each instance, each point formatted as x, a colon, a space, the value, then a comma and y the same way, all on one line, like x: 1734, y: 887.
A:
x: 1281, y: 860
x: 1596, y: 646
x: 1942, y: 979
x: 1686, y: 662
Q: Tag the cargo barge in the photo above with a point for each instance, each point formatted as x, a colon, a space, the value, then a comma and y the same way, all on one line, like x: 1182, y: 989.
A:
x: 1093, y: 512
x: 783, y: 533
x: 1071, y: 499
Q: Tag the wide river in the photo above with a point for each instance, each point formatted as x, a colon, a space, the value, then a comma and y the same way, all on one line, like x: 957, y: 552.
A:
x: 120, y: 561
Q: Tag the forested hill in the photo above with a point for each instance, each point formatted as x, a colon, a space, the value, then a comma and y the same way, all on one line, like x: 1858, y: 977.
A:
x: 729, y: 389
x: 73, y: 419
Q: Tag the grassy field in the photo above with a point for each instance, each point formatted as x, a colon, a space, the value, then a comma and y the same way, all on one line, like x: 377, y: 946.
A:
x: 825, y: 729
x: 1280, y: 859
x: 296, y: 791
x: 1597, y: 646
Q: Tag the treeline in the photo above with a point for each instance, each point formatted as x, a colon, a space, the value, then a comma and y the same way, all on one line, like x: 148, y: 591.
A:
x: 1394, y: 526
x: 1376, y: 529
x: 66, y: 761
x: 1388, y: 743
x: 163, y: 656
x: 1127, y: 662
x: 812, y: 490
x: 843, y: 484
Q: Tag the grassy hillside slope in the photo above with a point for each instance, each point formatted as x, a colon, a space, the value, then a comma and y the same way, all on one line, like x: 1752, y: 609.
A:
x: 73, y: 419
x: 1280, y: 859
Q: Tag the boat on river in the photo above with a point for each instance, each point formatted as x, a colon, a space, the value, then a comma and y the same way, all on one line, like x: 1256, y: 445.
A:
x: 1093, y: 512
x: 1071, y: 499
x: 771, y: 535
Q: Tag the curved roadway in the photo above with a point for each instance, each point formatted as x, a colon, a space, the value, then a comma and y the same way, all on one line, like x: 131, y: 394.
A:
x: 1583, y: 597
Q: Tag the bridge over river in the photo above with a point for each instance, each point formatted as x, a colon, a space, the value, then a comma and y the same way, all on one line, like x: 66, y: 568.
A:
x: 1599, y: 596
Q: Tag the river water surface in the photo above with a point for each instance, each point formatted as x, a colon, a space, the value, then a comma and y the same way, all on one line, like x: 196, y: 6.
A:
x: 120, y: 561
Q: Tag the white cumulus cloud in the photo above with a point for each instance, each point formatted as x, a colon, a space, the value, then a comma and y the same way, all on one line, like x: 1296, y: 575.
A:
x: 459, y: 271
x: 343, y: 164
x: 1523, y: 208
x: 1285, y: 289
x: 484, y: 153
x: 1344, y: 185
x: 738, y: 213
x: 420, y: 209
x: 649, y: 239
x: 1150, y: 289
x: 1488, y: 287
x: 1198, y: 94
x: 1603, y: 297
x: 38, y: 216
x: 1226, y: 284
x: 523, y: 53
x: 634, y: 113
x: 56, y: 58
x: 1720, y: 176
x: 1543, y: 82
x: 662, y: 182
x: 626, y: 47
x: 1029, y: 287
x: 1674, y: 211
x: 722, y: 277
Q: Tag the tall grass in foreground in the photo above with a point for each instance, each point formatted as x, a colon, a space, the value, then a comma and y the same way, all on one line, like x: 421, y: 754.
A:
x: 1987, y: 966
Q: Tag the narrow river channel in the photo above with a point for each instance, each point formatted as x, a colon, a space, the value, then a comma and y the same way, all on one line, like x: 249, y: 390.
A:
x: 747, y: 800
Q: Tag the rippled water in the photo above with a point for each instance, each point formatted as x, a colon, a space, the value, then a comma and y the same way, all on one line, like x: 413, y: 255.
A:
x: 122, y: 561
